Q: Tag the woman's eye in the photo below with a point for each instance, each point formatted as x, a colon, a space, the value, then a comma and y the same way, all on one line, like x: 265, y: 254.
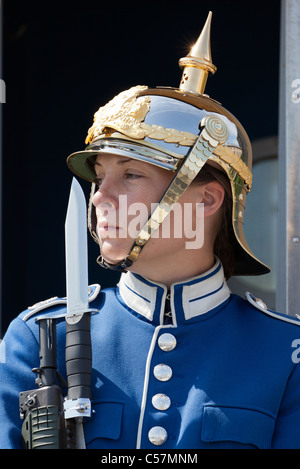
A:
x: 132, y: 175
x: 127, y: 176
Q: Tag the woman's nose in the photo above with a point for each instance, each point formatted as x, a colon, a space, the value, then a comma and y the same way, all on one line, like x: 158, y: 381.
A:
x: 106, y: 194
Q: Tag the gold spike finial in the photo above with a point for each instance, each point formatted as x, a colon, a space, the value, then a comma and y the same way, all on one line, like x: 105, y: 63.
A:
x: 198, y: 63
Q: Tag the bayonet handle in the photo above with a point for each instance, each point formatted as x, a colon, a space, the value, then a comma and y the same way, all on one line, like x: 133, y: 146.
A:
x: 79, y: 358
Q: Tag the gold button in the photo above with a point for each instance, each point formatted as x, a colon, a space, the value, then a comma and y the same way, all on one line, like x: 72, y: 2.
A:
x: 163, y: 372
x: 260, y: 303
x: 157, y: 436
x: 167, y: 342
x: 161, y: 401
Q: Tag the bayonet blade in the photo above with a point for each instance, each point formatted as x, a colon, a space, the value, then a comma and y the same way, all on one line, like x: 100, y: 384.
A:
x: 76, y: 254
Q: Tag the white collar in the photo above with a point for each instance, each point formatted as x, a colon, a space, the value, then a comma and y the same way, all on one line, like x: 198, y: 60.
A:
x: 189, y: 299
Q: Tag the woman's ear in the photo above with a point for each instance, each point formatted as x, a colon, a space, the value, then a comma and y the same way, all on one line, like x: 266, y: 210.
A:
x: 212, y: 196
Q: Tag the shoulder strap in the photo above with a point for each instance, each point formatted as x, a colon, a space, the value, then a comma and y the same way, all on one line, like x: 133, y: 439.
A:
x: 56, y: 301
x: 261, y: 306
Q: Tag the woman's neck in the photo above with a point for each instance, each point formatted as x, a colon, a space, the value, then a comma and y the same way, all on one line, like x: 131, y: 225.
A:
x: 177, y: 268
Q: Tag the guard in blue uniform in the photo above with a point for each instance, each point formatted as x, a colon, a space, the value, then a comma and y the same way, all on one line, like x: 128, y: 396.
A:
x: 179, y: 362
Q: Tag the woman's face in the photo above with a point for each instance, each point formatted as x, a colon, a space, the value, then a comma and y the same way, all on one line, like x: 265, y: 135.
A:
x: 126, y: 190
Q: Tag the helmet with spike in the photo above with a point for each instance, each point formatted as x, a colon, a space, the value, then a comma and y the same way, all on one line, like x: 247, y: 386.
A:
x: 179, y: 130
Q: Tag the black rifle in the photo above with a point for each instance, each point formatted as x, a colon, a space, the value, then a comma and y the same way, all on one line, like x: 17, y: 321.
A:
x: 42, y: 408
x: 50, y: 422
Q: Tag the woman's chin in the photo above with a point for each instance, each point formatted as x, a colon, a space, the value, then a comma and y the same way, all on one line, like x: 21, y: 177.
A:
x: 112, y: 254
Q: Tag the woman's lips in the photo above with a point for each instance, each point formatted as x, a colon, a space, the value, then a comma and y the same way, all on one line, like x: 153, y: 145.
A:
x: 106, y: 228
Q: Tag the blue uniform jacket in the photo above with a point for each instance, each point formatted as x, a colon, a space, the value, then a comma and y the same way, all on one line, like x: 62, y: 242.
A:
x: 220, y: 372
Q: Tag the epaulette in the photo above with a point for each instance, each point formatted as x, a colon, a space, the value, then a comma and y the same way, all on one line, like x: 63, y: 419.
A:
x: 261, y: 306
x: 56, y: 301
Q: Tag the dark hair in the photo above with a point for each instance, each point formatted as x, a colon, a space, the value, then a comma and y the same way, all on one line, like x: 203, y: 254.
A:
x: 225, y: 239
